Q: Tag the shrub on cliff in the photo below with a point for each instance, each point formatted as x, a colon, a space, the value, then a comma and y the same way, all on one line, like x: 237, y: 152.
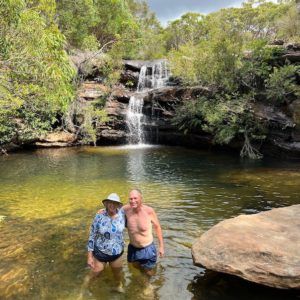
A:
x: 232, y: 56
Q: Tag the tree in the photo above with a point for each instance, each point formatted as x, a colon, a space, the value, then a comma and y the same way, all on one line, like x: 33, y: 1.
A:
x: 231, y: 56
x: 188, y: 29
x: 36, y: 77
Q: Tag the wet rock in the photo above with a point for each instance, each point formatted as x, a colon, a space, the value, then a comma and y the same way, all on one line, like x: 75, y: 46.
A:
x: 262, y: 248
x: 9, y: 147
x: 277, y: 42
x: 293, y: 46
x: 278, y: 148
x: 129, y: 78
x: 177, y: 93
x: 272, y: 116
x: 133, y: 65
x: 292, y: 56
x: 121, y: 94
x: 294, y: 110
x: 111, y: 137
x: 116, y: 109
x: 136, y: 65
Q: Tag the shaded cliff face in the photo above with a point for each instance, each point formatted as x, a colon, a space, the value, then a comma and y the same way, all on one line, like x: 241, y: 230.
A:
x: 283, y: 123
x: 161, y: 95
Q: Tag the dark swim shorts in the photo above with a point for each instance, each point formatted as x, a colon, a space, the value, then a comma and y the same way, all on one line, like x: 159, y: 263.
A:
x: 146, y: 256
x: 102, y: 257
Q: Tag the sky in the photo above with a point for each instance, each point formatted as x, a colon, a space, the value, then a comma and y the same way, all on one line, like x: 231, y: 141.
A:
x: 168, y: 10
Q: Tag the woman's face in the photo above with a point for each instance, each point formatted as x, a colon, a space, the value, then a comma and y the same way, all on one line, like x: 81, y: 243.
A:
x: 111, y: 207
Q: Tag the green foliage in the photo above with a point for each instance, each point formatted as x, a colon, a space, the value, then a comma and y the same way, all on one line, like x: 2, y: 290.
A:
x: 36, y: 78
x: 288, y: 26
x: 257, y: 65
x: 210, y: 62
x: 93, y: 116
x: 225, y: 117
x: 232, y: 56
x: 221, y: 116
x: 226, y: 50
x: 189, y: 29
x: 84, y: 119
x: 188, y: 116
x: 282, y: 83
x: 150, y: 40
x: 91, y: 24
x: 215, y: 55
x: 76, y: 20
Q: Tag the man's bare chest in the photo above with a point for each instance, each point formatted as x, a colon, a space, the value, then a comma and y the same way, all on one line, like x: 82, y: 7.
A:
x: 139, y: 222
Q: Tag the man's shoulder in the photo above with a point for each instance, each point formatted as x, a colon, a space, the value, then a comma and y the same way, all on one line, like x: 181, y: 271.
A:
x: 148, y: 208
x: 126, y: 207
x: 100, y: 212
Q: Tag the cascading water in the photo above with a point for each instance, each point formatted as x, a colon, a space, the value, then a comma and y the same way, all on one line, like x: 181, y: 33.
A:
x: 134, y: 119
x: 152, y: 76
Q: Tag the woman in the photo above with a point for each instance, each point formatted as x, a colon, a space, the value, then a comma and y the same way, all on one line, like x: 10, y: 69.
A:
x: 106, y: 242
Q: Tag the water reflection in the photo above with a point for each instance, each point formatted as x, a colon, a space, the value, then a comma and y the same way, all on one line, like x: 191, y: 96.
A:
x: 209, y: 285
x: 135, y: 165
x: 49, y: 197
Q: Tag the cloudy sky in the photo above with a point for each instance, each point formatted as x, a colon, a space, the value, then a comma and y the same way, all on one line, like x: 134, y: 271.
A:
x: 167, y: 10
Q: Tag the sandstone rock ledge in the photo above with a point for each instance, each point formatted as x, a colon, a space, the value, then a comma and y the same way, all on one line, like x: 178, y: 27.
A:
x: 262, y: 248
x: 56, y: 139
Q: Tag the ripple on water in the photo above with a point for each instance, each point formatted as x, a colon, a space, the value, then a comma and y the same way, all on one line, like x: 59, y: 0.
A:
x: 49, y: 197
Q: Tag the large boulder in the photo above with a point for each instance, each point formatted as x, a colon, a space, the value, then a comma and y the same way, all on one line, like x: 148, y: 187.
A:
x: 262, y: 248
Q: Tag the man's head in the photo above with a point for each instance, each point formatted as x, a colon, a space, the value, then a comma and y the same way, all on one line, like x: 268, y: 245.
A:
x: 135, y: 198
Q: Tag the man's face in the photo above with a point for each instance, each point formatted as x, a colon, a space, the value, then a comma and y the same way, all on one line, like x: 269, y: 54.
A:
x: 135, y: 199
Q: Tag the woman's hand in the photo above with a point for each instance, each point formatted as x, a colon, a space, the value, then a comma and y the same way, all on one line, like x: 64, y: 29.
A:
x: 90, y: 260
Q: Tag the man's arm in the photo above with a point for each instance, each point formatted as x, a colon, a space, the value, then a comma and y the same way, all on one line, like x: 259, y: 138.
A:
x: 158, y: 230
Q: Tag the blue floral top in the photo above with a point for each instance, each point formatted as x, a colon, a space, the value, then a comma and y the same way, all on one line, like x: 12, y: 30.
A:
x: 107, y: 234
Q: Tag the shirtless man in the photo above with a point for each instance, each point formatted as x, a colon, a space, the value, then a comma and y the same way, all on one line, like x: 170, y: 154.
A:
x: 140, y: 218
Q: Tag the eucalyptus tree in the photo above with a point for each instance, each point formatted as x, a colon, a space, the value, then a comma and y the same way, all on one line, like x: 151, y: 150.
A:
x: 189, y: 29
x: 35, y: 74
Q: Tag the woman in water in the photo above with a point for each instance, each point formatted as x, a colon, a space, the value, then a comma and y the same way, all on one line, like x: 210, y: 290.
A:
x: 106, y: 242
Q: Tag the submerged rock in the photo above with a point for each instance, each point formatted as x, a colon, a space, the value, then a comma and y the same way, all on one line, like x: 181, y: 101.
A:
x: 262, y: 248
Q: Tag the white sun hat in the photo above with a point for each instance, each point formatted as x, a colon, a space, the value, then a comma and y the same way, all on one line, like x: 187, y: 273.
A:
x: 112, y: 197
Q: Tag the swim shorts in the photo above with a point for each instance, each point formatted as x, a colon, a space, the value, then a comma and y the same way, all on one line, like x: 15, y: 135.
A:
x: 146, y: 256
x: 102, y: 257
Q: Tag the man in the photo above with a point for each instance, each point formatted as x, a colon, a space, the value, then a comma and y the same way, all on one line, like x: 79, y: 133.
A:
x: 140, y: 218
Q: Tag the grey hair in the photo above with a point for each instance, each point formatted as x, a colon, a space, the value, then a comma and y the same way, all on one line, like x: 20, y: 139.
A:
x: 137, y: 190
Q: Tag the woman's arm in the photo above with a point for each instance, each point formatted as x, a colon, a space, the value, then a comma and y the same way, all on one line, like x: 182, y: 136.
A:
x: 91, y: 242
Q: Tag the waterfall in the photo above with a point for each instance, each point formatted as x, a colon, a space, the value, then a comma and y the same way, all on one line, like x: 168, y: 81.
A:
x: 152, y: 76
x: 142, y: 79
x: 134, y: 119
x: 160, y: 74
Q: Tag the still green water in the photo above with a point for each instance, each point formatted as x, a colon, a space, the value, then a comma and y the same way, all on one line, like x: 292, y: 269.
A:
x: 49, y: 197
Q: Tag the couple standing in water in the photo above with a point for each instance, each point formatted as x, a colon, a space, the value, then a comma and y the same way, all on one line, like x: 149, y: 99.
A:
x: 106, y: 242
